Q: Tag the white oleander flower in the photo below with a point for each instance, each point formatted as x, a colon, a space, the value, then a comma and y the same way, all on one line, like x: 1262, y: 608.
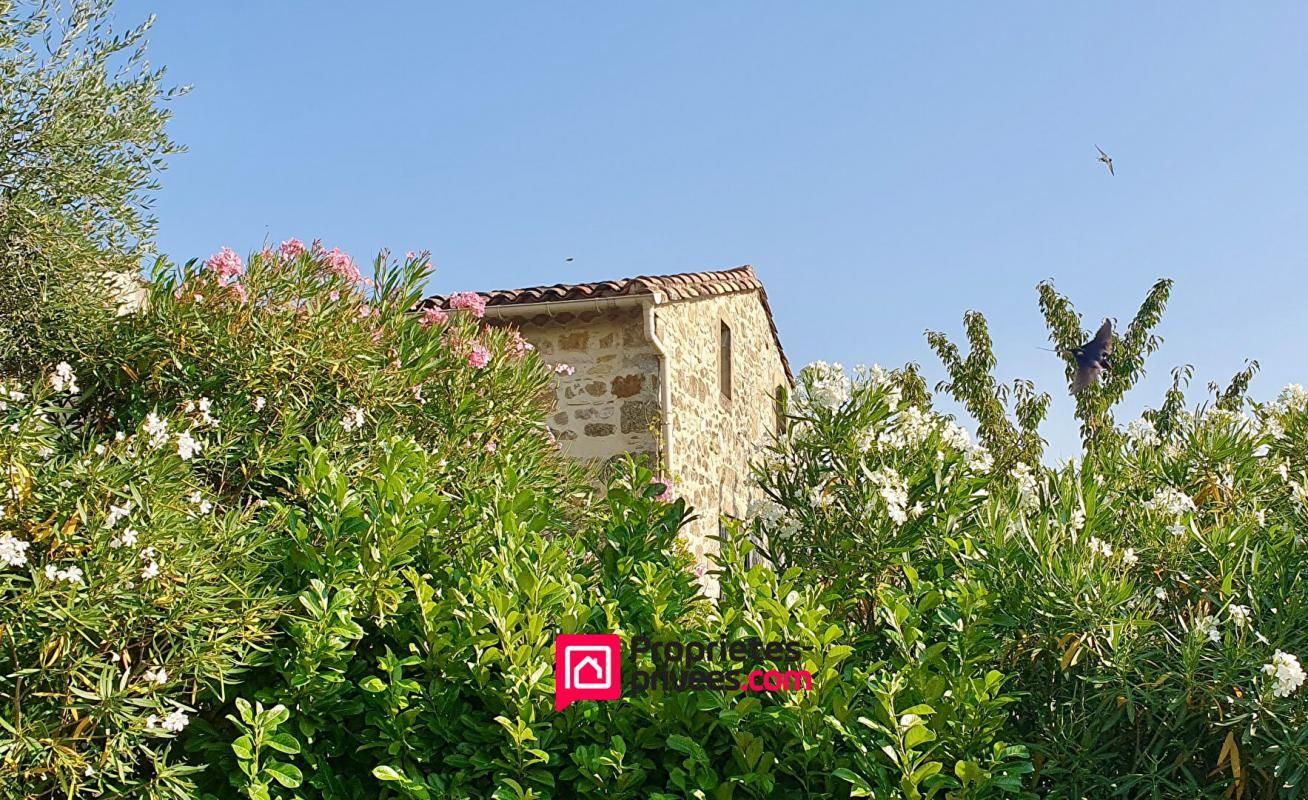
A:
x: 1239, y: 615
x: 63, y: 379
x: 157, y: 676
x: 1099, y: 547
x: 176, y: 721
x: 1027, y: 485
x: 187, y: 446
x: 979, y: 460
x: 128, y: 539
x: 71, y: 575
x: 1160, y: 593
x: 1286, y: 671
x: 150, y: 572
x: 117, y: 513
x: 1129, y: 557
x: 894, y: 491
x: 1142, y: 433
x: 1292, y: 398
x: 200, y: 408
x: 1207, y: 627
x: 156, y: 428
x: 1170, y: 500
x: 198, y: 500
x: 353, y: 419
x: 825, y: 385
x: 259, y: 403
x: 13, y: 551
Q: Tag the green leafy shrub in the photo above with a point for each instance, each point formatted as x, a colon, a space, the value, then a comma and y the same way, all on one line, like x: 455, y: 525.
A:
x: 282, y: 441
x: 353, y: 542
x: 1140, y: 612
x: 83, y: 114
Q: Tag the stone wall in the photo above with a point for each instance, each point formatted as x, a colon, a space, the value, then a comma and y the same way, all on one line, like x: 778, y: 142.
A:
x: 609, y: 405
x: 714, y: 438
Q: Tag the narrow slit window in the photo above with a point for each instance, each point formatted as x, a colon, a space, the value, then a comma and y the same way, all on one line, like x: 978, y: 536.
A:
x: 724, y: 361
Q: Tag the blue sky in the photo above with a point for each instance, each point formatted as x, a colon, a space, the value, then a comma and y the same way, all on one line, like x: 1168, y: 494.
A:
x: 884, y: 167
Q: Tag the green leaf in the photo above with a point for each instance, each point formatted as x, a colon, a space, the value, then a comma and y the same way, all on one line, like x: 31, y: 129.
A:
x: 287, y: 775
x: 372, y: 684
x: 861, y: 787
x: 918, y: 734
x: 384, y: 773
x: 926, y: 771
x: 243, y: 748
x: 244, y: 709
x: 283, y: 742
x: 969, y: 772
x: 276, y: 716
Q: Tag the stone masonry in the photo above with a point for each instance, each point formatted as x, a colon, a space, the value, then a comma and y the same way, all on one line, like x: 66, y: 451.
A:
x: 609, y: 405
x: 714, y: 438
x: 709, y: 424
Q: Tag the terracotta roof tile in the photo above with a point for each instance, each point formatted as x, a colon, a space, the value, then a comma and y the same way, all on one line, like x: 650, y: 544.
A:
x: 681, y: 286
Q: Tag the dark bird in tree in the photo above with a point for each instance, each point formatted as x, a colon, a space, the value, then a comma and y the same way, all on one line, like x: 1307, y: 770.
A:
x: 1107, y: 161
x: 1091, y: 357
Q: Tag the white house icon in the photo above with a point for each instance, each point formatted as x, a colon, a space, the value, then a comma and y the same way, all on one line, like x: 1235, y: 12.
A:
x: 587, y: 667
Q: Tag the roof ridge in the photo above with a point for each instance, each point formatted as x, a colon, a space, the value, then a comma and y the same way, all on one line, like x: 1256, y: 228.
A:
x: 671, y: 287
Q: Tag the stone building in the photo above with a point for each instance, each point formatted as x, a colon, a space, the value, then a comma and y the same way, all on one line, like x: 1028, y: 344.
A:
x: 683, y: 369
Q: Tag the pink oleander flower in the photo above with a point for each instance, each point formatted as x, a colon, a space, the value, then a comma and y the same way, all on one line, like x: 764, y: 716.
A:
x: 291, y: 248
x: 341, y: 264
x: 666, y: 495
x: 334, y: 296
x: 518, y: 346
x: 266, y: 253
x: 432, y: 315
x: 470, y: 301
x: 239, y: 292
x: 365, y: 311
x: 226, y: 263
x: 700, y: 570
x: 478, y: 356
x: 564, y: 369
x: 376, y: 335
x: 491, y: 447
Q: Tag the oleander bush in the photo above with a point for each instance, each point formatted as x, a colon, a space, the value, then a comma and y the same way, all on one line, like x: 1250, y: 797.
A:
x: 178, y: 489
x: 278, y: 534
x: 1143, y: 607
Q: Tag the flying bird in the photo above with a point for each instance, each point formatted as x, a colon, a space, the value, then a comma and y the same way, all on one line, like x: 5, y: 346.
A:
x: 569, y: 258
x: 1092, y: 356
x: 1107, y: 161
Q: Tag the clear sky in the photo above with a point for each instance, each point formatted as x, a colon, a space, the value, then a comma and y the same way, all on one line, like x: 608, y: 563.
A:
x: 884, y: 167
